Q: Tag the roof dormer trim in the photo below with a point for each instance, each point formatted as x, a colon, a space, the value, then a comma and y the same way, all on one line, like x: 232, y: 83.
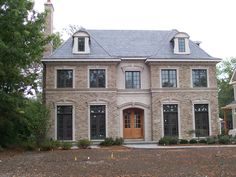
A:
x: 81, y: 42
x: 181, y: 43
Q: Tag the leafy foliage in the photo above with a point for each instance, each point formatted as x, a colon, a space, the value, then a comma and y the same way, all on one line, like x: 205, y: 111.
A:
x: 111, y: 142
x: 84, y: 143
x: 21, y: 46
x: 66, y: 145
x: 168, y: 140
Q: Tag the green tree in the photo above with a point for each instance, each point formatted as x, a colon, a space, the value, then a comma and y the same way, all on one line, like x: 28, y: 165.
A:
x: 22, y: 44
x: 56, y: 40
x: 225, y: 71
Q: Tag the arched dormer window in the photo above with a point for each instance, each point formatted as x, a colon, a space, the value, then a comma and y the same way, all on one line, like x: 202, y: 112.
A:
x: 81, y: 42
x: 181, y: 43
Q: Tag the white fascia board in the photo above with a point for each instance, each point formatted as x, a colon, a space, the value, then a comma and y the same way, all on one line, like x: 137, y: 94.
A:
x: 134, y: 58
x: 185, y: 60
x: 83, y: 60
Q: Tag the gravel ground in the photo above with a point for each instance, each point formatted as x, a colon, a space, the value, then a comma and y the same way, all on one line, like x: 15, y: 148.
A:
x: 121, y: 162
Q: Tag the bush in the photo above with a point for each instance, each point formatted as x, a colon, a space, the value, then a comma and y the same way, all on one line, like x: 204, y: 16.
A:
x: 183, y: 141
x: 84, y: 143
x: 193, y: 141
x: 203, y: 141
x: 211, y: 140
x: 233, y: 139
x: 167, y: 140
x: 225, y: 139
x: 111, y: 142
x: 1, y: 149
x: 66, y: 145
x: 29, y: 145
x: 118, y: 141
x: 48, y: 145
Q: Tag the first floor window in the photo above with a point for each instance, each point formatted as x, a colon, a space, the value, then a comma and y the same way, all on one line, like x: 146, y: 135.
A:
x: 132, y: 79
x: 64, y: 122
x: 97, y: 78
x: 64, y: 78
x: 199, y: 77
x: 201, y: 120
x: 169, y: 78
x: 170, y: 114
x: 97, y: 121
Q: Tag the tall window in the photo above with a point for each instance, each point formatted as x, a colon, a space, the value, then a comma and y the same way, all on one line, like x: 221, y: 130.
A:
x: 97, y: 78
x: 181, y: 42
x: 64, y: 122
x: 199, y: 77
x: 64, y: 78
x: 201, y: 120
x: 132, y: 79
x: 97, y: 121
x: 169, y: 78
x: 170, y: 114
x: 81, y: 44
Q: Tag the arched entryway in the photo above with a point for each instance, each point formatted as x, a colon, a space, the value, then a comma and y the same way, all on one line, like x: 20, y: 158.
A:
x: 133, y: 123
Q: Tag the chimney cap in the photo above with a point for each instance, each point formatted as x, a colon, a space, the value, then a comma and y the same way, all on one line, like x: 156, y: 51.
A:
x: 48, y: 0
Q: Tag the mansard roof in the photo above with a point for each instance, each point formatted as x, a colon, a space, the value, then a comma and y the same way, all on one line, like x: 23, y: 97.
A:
x: 148, y: 44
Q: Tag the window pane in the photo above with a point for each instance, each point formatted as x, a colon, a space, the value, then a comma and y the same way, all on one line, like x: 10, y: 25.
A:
x: 132, y: 79
x: 64, y: 78
x: 81, y: 46
x: 169, y: 78
x: 97, y: 78
x: 64, y: 122
x: 170, y: 115
x: 201, y: 120
x: 181, y: 42
x: 199, y: 77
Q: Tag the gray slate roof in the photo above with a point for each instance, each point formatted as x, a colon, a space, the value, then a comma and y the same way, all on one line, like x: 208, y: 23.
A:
x: 151, y: 44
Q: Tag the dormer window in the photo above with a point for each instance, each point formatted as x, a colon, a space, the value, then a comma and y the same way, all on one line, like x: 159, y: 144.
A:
x: 81, y: 42
x: 81, y: 46
x: 181, y: 43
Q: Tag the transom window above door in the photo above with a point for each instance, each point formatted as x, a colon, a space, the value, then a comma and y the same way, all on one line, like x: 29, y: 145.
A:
x: 97, y: 78
x: 64, y: 78
x: 132, y: 80
x: 169, y: 77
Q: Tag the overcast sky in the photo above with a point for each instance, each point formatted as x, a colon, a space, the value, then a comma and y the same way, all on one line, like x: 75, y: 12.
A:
x: 213, y: 22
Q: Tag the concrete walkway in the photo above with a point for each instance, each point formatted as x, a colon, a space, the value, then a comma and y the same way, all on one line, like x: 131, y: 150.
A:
x: 155, y: 146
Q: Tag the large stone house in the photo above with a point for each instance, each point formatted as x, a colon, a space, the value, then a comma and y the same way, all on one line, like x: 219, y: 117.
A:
x: 135, y: 84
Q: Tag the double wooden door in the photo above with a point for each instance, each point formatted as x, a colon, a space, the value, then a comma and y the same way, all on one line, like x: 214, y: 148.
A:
x: 133, y: 123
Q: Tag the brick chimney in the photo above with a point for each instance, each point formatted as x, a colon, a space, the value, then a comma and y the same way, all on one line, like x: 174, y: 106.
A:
x: 48, y: 25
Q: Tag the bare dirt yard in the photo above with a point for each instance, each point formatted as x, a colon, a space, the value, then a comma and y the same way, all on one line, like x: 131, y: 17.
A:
x: 121, y: 162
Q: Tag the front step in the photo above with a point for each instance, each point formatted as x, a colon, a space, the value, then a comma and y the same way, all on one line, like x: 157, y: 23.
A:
x: 136, y: 142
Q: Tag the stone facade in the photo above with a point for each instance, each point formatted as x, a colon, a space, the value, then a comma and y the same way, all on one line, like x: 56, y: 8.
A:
x: 116, y: 100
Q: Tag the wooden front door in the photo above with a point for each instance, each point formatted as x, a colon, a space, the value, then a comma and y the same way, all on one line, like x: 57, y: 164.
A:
x: 133, y: 123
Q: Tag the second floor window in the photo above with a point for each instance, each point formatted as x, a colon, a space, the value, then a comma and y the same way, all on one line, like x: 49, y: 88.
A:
x: 181, y: 42
x: 81, y: 44
x: 132, y: 79
x: 169, y: 78
x: 199, y: 77
x: 97, y: 78
x: 64, y: 78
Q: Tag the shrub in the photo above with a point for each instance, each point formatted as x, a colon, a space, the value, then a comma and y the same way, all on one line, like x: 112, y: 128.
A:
x: 203, y: 141
x: 118, y: 141
x: 84, y: 143
x: 167, y: 140
x: 66, y: 145
x: 183, y: 141
x: 48, y: 145
x: 193, y: 141
x: 29, y: 145
x: 1, y: 149
x: 211, y: 140
x: 225, y: 139
x: 107, y: 142
x: 233, y: 139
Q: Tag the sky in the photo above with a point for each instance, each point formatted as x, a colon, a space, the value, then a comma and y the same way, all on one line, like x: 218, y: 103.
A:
x: 213, y: 22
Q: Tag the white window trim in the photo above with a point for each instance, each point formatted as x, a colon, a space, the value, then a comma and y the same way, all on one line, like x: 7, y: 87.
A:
x: 209, y: 115
x: 177, y: 77
x: 106, y: 76
x: 191, y: 77
x: 162, y: 117
x: 73, y: 118
x: 106, y: 118
x: 64, y: 68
